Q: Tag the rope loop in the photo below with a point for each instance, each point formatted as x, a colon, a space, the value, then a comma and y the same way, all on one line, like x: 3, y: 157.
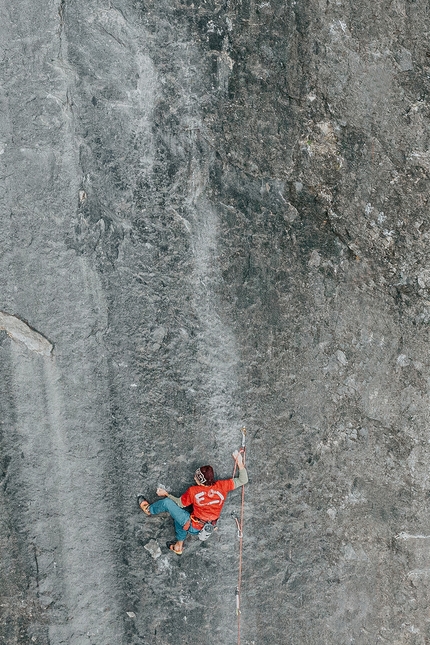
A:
x: 239, y: 524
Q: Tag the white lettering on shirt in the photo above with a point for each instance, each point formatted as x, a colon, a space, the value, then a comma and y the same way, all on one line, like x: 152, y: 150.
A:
x: 200, y: 498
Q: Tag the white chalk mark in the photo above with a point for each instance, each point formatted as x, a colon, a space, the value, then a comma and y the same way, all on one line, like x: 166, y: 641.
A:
x: 184, y: 221
x: 416, y: 573
x: 20, y: 332
x: 408, y: 536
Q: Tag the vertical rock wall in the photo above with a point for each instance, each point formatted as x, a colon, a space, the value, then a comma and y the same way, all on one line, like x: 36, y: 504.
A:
x: 214, y: 214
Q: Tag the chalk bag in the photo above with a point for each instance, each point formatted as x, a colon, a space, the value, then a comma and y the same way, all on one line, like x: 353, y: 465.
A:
x: 206, y: 531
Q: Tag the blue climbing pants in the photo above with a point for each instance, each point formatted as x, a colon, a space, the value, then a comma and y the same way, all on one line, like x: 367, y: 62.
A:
x: 179, y: 515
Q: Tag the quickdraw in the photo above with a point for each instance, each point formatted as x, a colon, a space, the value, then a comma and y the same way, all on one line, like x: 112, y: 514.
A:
x: 239, y: 530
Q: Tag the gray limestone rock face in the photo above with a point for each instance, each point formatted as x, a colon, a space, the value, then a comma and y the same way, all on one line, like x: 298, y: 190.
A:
x: 214, y: 214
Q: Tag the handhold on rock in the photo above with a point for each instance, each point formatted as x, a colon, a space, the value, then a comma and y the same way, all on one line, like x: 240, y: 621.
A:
x: 153, y: 548
x: 20, y: 332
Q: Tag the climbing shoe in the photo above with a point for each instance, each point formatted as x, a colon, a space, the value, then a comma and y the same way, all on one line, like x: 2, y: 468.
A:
x: 143, y: 504
x: 171, y: 547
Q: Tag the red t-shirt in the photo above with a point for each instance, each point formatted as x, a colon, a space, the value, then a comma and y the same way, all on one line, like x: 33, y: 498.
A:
x: 208, y: 501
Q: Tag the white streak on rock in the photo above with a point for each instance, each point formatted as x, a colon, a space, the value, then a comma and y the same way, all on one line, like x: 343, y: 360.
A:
x: 408, y: 536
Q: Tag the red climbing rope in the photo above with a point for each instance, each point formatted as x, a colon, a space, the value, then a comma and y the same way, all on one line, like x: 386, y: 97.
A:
x: 239, y: 523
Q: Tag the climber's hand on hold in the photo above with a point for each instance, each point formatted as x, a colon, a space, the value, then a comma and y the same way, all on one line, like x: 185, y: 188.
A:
x: 162, y: 492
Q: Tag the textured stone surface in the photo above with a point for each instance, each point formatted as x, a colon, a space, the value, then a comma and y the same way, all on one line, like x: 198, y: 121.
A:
x: 216, y: 213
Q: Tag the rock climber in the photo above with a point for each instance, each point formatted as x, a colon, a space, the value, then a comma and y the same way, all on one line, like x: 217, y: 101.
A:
x: 207, y: 498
